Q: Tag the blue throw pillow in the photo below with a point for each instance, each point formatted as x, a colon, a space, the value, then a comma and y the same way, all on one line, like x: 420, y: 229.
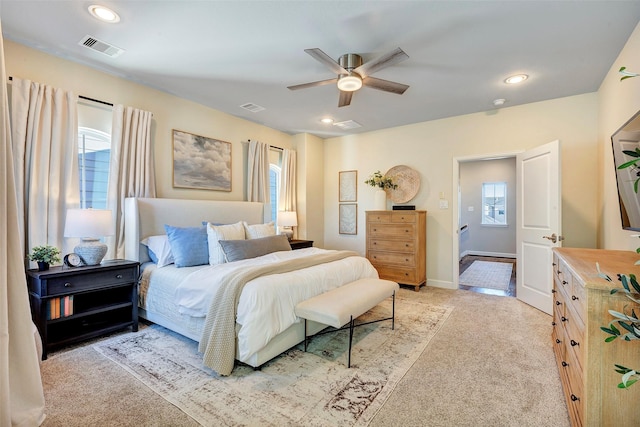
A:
x: 188, y: 245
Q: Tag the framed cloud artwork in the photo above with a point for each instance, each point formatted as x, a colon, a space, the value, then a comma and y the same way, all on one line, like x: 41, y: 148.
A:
x: 200, y: 162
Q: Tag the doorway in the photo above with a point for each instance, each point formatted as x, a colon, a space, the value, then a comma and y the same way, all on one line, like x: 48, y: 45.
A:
x: 486, y: 224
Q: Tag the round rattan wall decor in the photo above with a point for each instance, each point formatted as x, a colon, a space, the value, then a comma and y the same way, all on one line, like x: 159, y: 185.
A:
x: 408, y: 181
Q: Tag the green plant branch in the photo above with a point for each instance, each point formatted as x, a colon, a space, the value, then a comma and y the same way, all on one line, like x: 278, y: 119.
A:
x: 625, y: 326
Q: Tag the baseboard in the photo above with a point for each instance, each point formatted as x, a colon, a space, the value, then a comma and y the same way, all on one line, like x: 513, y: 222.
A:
x: 445, y: 284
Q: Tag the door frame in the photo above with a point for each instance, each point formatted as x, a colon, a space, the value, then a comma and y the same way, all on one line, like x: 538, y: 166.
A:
x: 455, y: 205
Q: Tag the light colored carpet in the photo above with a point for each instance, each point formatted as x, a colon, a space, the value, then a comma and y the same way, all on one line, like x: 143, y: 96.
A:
x: 297, y: 388
x: 487, y: 274
x: 490, y: 364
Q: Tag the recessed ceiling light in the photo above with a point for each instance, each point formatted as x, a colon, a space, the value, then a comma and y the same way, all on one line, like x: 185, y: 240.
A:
x: 327, y: 120
x: 104, y: 14
x: 499, y: 101
x: 518, y: 78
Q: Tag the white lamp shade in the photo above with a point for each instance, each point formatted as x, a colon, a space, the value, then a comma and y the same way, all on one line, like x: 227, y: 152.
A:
x: 287, y: 219
x: 88, y: 223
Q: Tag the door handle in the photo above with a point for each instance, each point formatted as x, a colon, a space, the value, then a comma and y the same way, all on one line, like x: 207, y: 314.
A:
x: 554, y: 238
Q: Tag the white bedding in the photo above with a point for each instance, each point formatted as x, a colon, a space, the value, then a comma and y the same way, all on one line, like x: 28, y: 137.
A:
x: 266, y: 305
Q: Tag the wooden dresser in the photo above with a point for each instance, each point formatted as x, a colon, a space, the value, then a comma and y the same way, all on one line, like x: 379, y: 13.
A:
x: 396, y: 245
x: 585, y: 361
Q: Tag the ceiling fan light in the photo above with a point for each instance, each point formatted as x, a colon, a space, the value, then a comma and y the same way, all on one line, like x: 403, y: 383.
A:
x: 349, y: 82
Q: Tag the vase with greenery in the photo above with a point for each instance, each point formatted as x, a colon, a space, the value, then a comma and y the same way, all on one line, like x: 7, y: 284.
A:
x: 380, y: 183
x: 44, y: 255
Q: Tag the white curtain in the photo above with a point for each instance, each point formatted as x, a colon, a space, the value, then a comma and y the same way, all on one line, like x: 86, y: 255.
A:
x: 288, y: 188
x: 44, y: 131
x: 258, y: 174
x: 131, y: 172
x: 22, y: 398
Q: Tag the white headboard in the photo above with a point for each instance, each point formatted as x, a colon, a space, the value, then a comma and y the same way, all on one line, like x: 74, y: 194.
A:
x: 145, y: 217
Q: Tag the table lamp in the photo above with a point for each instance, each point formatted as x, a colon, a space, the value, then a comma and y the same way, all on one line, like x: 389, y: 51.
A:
x: 89, y: 225
x: 287, y: 220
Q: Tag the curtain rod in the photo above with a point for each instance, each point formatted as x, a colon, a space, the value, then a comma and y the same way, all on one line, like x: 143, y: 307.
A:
x: 270, y: 146
x: 84, y: 97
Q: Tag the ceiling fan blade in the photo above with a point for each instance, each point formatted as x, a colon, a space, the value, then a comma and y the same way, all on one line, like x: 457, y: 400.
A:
x: 312, y: 84
x: 320, y: 56
x: 345, y: 98
x: 386, y: 60
x: 385, y: 85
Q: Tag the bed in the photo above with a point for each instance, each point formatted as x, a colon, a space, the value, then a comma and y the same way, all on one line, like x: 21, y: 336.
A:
x: 162, y: 289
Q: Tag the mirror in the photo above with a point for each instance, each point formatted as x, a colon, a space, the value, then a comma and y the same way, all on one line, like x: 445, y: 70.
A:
x: 624, y: 142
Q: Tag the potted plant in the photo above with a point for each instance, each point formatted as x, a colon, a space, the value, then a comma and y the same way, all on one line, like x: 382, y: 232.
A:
x: 44, y: 256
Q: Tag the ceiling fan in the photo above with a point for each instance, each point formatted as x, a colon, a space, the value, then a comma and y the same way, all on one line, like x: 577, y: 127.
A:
x: 353, y: 73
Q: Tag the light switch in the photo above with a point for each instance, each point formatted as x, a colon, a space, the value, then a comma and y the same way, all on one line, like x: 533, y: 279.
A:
x: 444, y: 204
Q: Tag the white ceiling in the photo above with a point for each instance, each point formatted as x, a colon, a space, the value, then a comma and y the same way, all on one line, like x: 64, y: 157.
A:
x: 224, y: 54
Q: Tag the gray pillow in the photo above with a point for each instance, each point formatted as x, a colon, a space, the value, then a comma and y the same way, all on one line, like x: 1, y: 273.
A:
x: 235, y: 250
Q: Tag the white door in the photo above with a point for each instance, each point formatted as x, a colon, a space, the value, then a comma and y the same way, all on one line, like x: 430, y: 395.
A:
x: 538, y: 223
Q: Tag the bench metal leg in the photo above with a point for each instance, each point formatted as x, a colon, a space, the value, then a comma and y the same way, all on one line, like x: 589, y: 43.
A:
x: 393, y: 312
x: 305, y: 335
x: 351, y: 325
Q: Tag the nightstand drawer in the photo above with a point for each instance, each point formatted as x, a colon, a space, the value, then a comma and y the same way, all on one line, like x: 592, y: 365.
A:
x: 97, y: 279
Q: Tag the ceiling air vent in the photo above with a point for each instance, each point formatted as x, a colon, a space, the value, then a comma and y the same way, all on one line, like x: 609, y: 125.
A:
x: 348, y: 124
x: 100, y: 46
x: 254, y: 108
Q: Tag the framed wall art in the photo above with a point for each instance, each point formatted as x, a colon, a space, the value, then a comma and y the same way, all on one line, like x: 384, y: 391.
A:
x: 200, y: 162
x: 348, y: 186
x: 348, y: 218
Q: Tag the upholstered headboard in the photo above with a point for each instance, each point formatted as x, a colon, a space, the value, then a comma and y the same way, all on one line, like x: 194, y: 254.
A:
x: 145, y: 217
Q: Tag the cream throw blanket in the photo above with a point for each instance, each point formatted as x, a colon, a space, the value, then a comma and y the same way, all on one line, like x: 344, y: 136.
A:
x: 218, y: 342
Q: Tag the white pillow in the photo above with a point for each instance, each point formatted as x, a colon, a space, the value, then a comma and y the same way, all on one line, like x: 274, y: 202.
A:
x: 257, y: 231
x: 160, y: 247
x: 215, y: 233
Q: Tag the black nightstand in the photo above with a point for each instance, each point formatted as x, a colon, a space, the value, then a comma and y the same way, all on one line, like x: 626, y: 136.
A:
x: 299, y: 244
x: 75, y: 304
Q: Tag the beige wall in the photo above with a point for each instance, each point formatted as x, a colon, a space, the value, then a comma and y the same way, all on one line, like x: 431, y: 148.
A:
x: 310, y: 149
x: 618, y: 101
x: 169, y: 112
x: 430, y: 148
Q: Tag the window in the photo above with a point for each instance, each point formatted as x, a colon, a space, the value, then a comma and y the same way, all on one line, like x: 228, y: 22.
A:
x: 94, y: 151
x: 274, y: 188
x: 494, y: 203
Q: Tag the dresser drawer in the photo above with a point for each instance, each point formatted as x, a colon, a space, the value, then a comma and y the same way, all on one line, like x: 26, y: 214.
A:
x: 392, y: 245
x: 99, y: 278
x: 578, y: 299
x: 400, y: 275
x: 402, y: 217
x: 574, y: 391
x: 401, y: 259
x: 575, y: 337
x: 396, y: 231
x: 379, y: 217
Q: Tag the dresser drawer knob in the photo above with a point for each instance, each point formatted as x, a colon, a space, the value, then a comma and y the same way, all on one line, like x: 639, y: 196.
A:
x: 558, y: 303
x: 573, y: 297
x: 558, y: 341
x: 564, y: 319
x: 67, y: 285
x: 574, y: 398
x: 553, y: 323
x: 553, y: 291
x: 564, y: 364
x: 118, y: 276
x: 554, y: 264
x: 574, y: 343
x: 564, y: 282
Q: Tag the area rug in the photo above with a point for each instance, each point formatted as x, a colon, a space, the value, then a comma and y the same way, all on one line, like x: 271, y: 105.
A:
x: 487, y: 274
x: 296, y: 388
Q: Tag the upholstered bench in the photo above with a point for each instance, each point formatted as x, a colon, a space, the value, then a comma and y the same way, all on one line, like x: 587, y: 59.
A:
x: 341, y: 306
